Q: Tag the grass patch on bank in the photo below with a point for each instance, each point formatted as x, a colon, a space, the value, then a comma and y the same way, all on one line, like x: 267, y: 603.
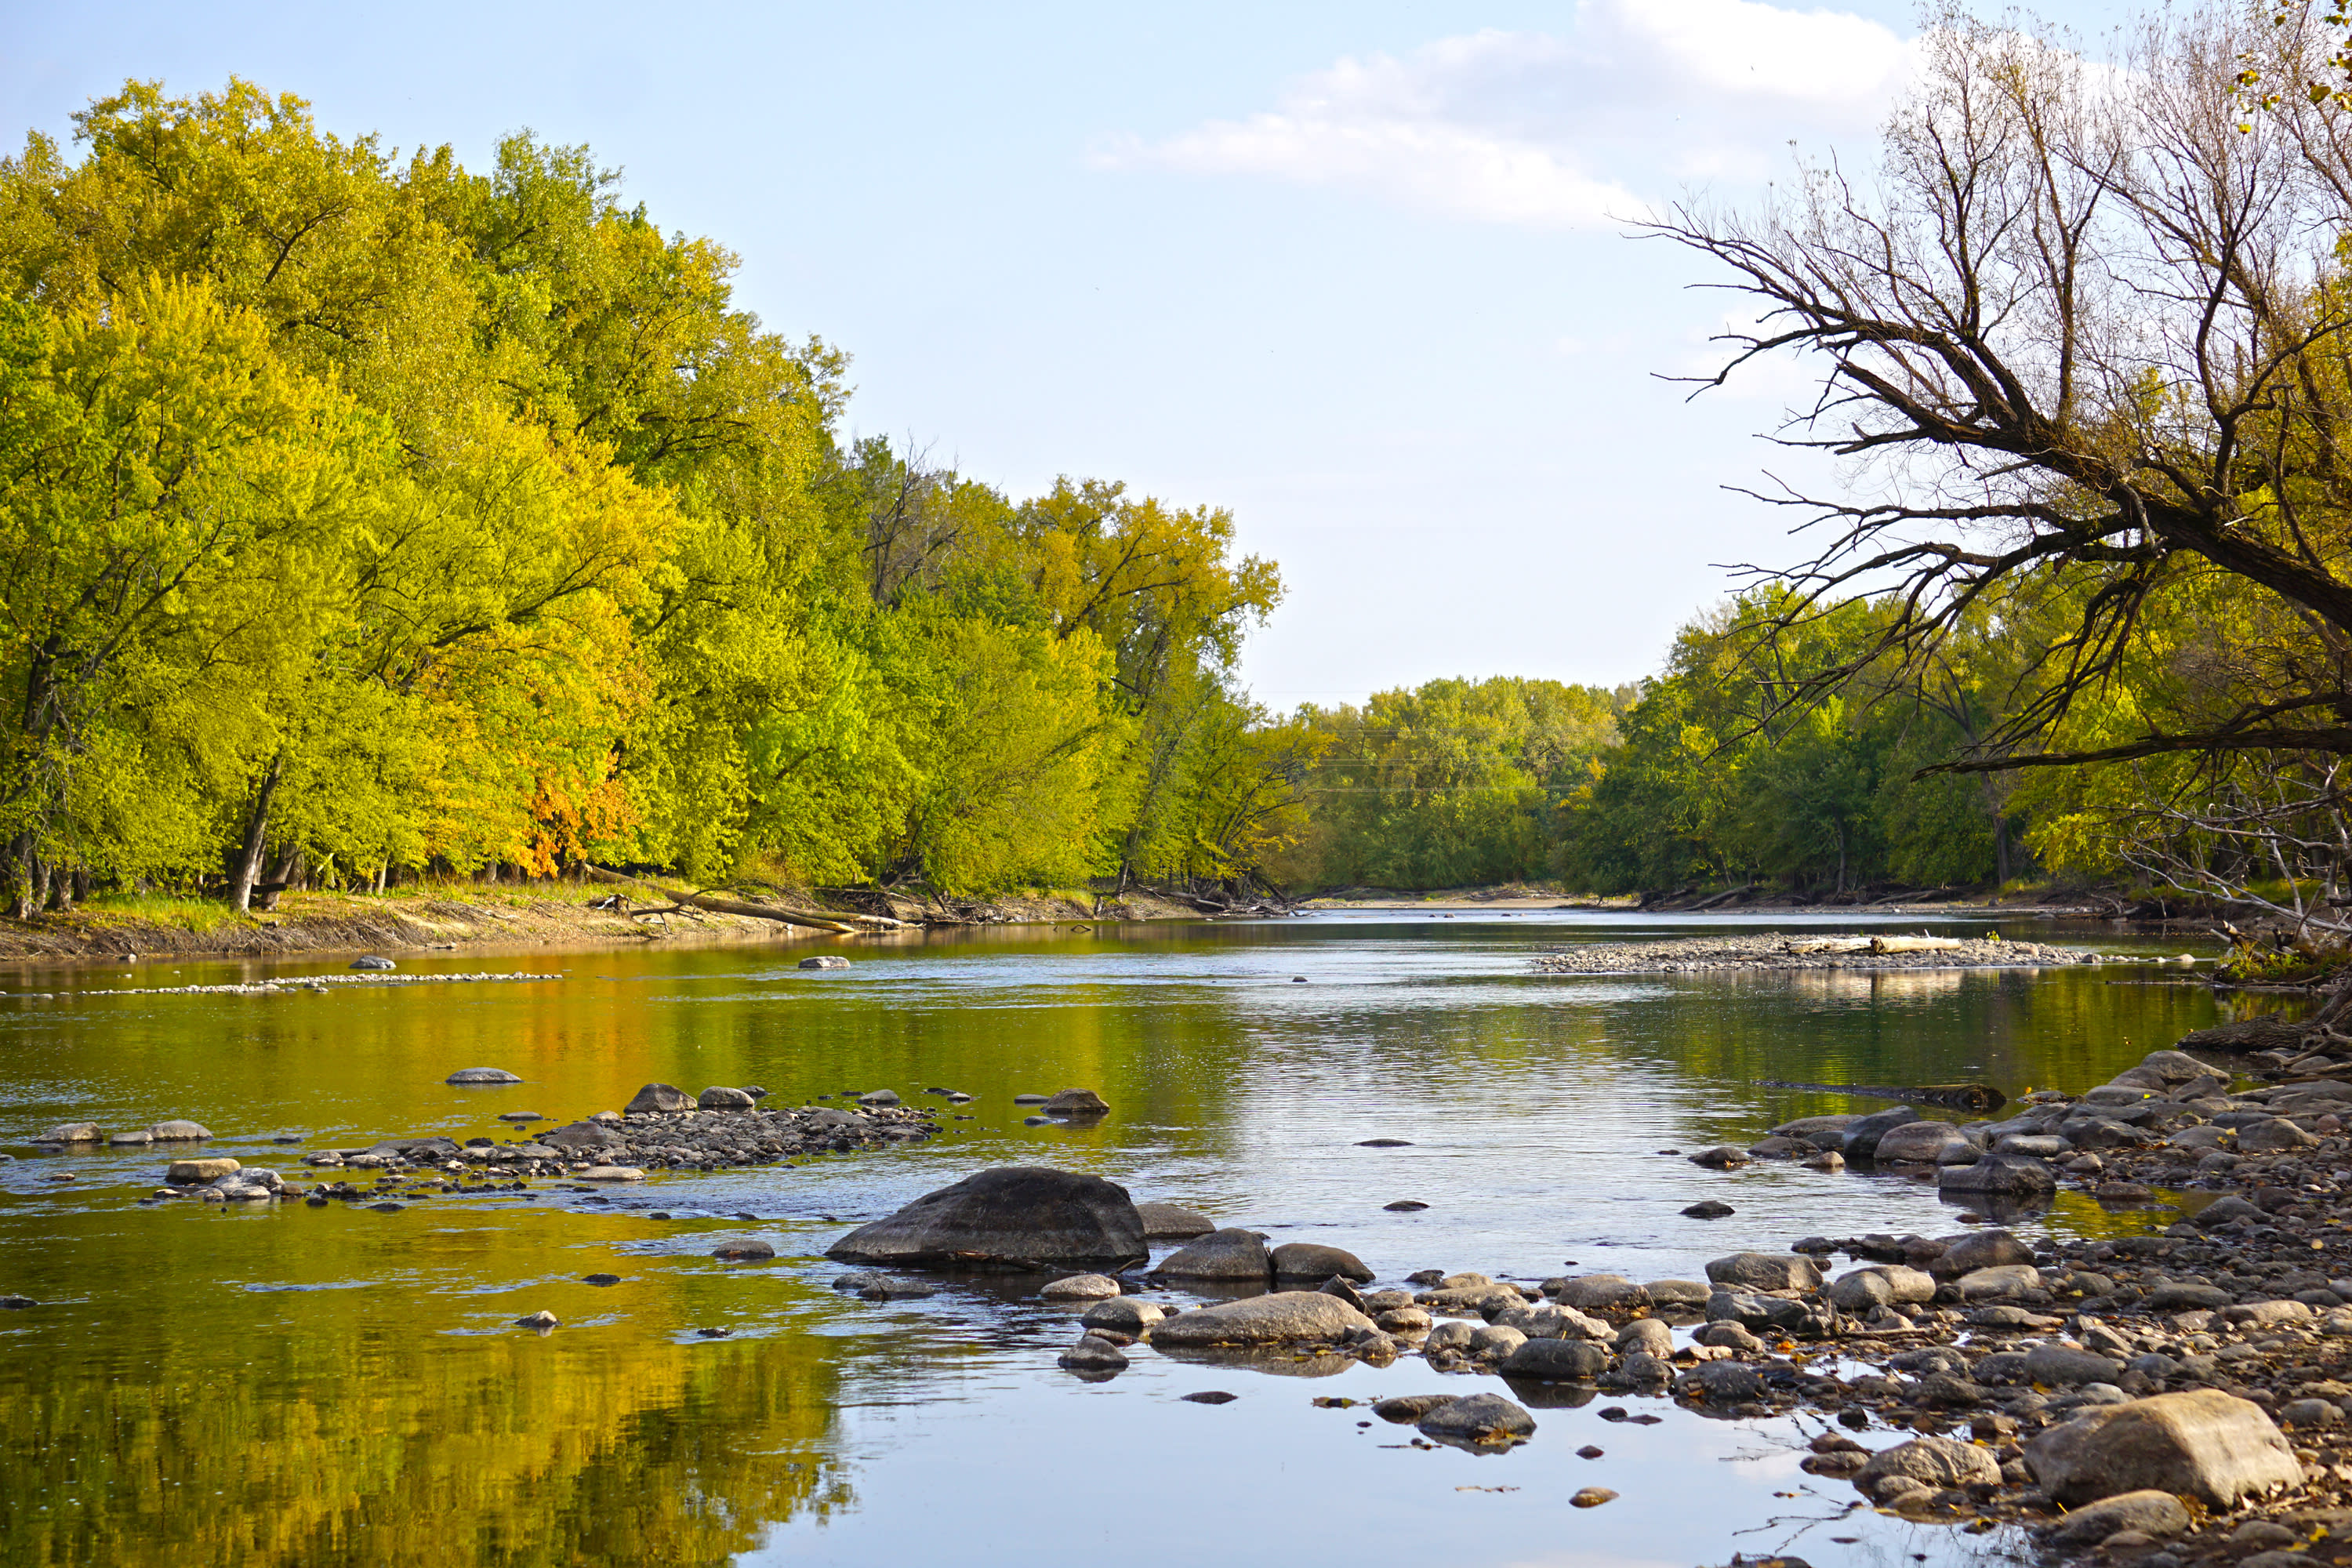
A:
x: 173, y: 911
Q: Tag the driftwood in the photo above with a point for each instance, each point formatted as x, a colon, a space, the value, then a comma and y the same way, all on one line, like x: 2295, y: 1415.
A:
x: 1953, y: 1096
x: 1875, y: 945
x: 709, y: 905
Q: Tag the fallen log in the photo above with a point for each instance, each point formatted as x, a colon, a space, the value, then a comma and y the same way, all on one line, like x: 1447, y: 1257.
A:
x: 732, y: 906
x: 1953, y: 1096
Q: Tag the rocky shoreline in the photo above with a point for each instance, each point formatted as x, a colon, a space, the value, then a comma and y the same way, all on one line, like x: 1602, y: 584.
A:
x: 1780, y: 950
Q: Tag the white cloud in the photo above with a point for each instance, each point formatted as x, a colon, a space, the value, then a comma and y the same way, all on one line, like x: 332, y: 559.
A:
x: 1556, y: 131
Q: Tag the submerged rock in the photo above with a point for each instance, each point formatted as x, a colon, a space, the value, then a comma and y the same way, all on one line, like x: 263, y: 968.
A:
x: 824, y: 961
x: 1094, y: 1353
x: 1076, y: 1102
x: 1013, y: 1216
x: 179, y: 1133
x: 1080, y: 1288
x: 481, y: 1075
x: 372, y: 961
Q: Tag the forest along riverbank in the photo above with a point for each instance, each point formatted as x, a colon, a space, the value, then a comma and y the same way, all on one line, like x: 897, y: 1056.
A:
x: 1780, y: 950
x: 2170, y: 1398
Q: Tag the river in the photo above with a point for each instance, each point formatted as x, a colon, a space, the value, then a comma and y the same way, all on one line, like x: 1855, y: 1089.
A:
x: 338, y: 1385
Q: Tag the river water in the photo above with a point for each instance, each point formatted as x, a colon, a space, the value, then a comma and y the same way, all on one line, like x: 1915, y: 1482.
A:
x: 338, y: 1385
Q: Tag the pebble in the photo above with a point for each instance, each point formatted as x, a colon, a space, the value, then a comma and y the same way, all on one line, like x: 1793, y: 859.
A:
x: 537, y: 1321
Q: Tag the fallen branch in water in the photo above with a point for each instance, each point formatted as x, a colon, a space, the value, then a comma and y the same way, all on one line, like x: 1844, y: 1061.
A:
x: 709, y: 905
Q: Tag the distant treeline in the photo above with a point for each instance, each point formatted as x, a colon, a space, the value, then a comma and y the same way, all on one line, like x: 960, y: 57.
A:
x: 362, y: 516
x: 1724, y: 769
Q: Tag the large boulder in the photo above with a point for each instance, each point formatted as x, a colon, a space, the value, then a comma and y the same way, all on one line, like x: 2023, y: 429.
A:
x: 1766, y: 1271
x: 1860, y: 1141
x: 657, y: 1096
x: 1235, y: 1257
x: 2203, y: 1444
x: 1284, y: 1318
x: 1013, y: 1216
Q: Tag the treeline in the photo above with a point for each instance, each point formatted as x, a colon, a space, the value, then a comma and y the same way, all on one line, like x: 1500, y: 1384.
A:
x: 1782, y: 749
x: 364, y: 517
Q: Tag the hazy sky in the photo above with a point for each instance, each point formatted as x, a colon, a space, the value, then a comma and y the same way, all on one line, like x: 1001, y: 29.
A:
x: 1356, y: 270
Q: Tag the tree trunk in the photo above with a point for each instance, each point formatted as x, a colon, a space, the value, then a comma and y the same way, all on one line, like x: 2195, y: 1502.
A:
x: 247, y: 868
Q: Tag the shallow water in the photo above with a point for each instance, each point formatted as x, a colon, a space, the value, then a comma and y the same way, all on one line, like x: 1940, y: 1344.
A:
x: 338, y: 1385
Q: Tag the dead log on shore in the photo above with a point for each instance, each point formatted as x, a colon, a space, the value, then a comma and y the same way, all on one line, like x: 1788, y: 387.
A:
x: 709, y: 905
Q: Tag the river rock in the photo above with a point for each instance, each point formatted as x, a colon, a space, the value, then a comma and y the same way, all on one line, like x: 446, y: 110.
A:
x: 1938, y: 1463
x: 743, y: 1249
x: 657, y: 1098
x: 1404, y: 1408
x: 611, y: 1174
x: 1707, y: 1208
x: 2056, y: 1364
x: 2005, y: 1283
x: 1921, y: 1144
x: 193, y: 1173
x: 1239, y: 1256
x: 1860, y: 1139
x: 373, y: 961
x: 1670, y: 1293
x: 541, y: 1320
x: 826, y: 961
x: 1814, y: 1127
x: 1645, y: 1335
x: 72, y: 1132
x: 1012, y: 1216
x: 717, y: 1098
x: 1283, y: 1317
x: 1481, y: 1418
x: 1766, y: 1271
x: 1080, y: 1288
x: 879, y: 1099
x: 1720, y: 1382
x: 1722, y: 1157
x: 1989, y: 1248
x: 2275, y: 1136
x: 1167, y: 1222
x: 1076, y: 1102
x: 1094, y: 1353
x: 1312, y: 1260
x: 1122, y: 1314
x: 1601, y: 1293
x: 481, y: 1075
x: 2005, y: 1175
x: 1882, y: 1285
x: 138, y: 1136
x: 1555, y: 1361
x: 179, y: 1133
x: 2202, y: 1443
x: 2186, y: 1295
x: 2154, y: 1514
x: 2223, y: 1210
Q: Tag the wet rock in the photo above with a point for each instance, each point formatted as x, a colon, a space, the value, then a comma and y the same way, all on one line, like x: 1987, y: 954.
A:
x: 1939, y: 1463
x: 1094, y: 1353
x: 1284, y: 1317
x: 1311, y: 1260
x: 2222, y: 1211
x: 2000, y: 1175
x: 140, y: 1137
x: 1827, y: 1159
x: 1978, y: 1249
x: 2203, y: 1444
x: 481, y: 1075
x: 1707, y: 1209
x: 1406, y: 1320
x: 1721, y: 1383
x: 16, y: 1303
x: 1209, y: 1396
x: 373, y: 961
x: 1671, y: 1293
x: 1080, y: 1288
x: 1722, y: 1157
x: 179, y: 1133
x: 1232, y: 1254
x: 541, y: 1320
x: 880, y: 1287
x: 1404, y: 1407
x: 657, y: 1098
x: 1728, y: 1333
x: 1497, y: 1340
x: 1766, y: 1271
x: 1167, y: 1222
x: 1555, y: 1361
x: 190, y: 1173
x: 717, y: 1098
x: 72, y: 1132
x: 1122, y: 1314
x: 1481, y: 1418
x: 600, y: 1280
x: 1405, y: 1206
x: 2154, y: 1514
x: 1859, y: 1139
x: 743, y: 1249
x: 584, y: 1137
x: 1813, y: 1128
x: 1646, y: 1335
x: 878, y: 1099
x: 611, y: 1174
x: 1346, y: 1291
x: 1076, y: 1102
x: 2056, y: 1364
x: 1593, y: 1497
x: 824, y: 961
x: 1016, y: 1216
x: 1881, y: 1285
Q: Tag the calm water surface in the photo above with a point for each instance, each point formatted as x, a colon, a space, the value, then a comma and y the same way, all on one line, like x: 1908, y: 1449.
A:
x: 329, y: 1386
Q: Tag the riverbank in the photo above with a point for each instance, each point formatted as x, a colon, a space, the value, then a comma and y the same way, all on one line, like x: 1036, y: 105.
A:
x: 468, y: 916
x: 1517, y: 896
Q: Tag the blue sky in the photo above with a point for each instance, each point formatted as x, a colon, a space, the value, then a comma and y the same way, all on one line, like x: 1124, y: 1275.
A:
x: 1354, y: 270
